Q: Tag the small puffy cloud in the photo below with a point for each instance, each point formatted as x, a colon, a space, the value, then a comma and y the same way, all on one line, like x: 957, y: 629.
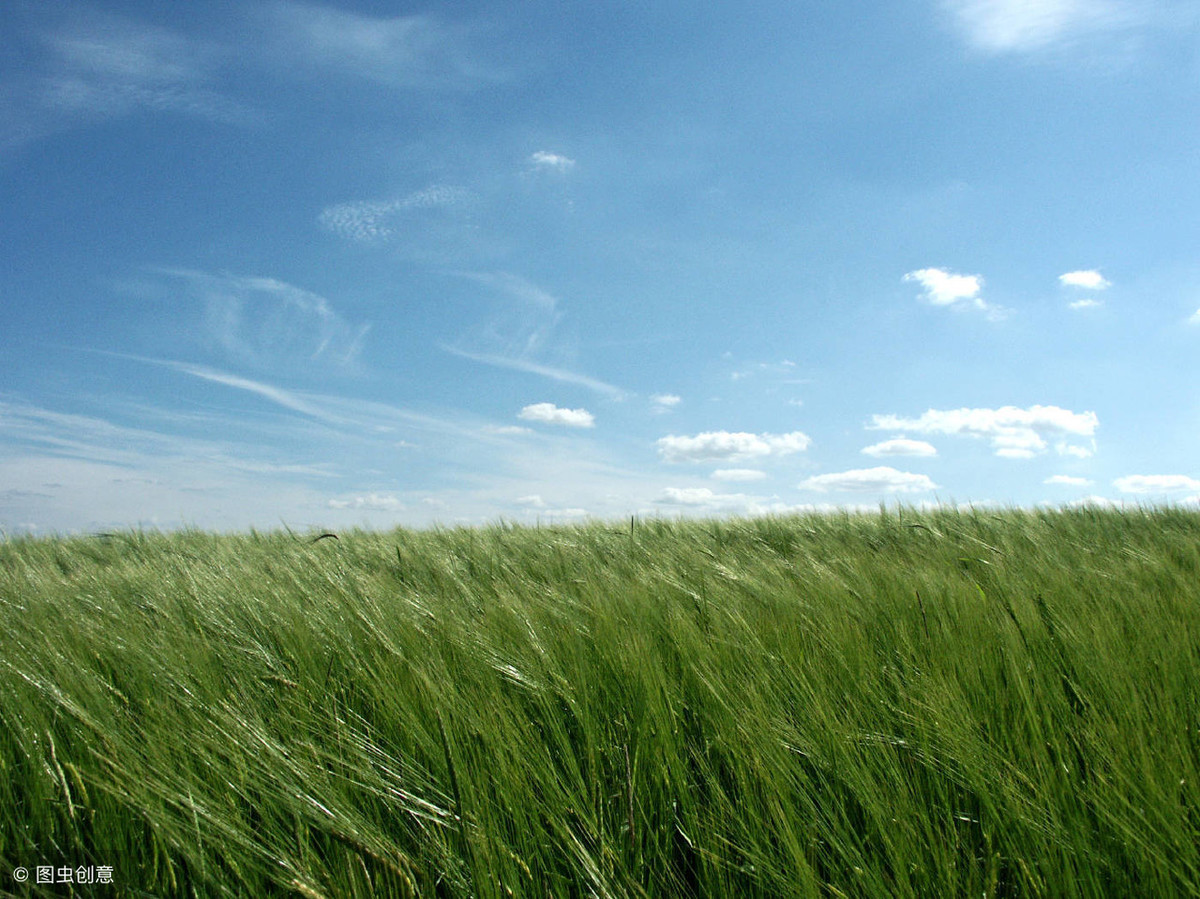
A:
x: 725, y: 446
x: 943, y: 288
x: 1013, y: 432
x: 533, y: 501
x: 372, y: 502
x: 882, y: 479
x: 1195, y: 319
x: 664, y: 402
x: 706, y: 500
x: 1067, y: 480
x: 1085, y: 304
x: 1079, y: 452
x: 901, y: 446
x: 1086, y: 280
x: 548, y: 413
x: 1156, y: 483
x: 545, y: 160
x: 739, y: 474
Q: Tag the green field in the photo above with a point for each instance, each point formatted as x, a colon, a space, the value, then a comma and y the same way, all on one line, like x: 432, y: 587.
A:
x: 941, y: 703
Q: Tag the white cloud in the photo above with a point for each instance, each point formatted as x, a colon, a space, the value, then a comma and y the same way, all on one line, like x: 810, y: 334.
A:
x: 901, y: 446
x: 1086, y: 280
x: 943, y: 288
x: 105, y: 65
x: 883, y: 479
x: 664, y: 402
x: 739, y: 474
x: 1156, y: 483
x: 533, y: 501
x: 419, y: 51
x: 543, y: 159
x: 730, y: 446
x: 505, y: 430
x: 285, y: 398
x: 1023, y: 26
x: 372, y: 502
x: 1079, y: 452
x: 1013, y: 432
x: 1195, y: 319
x: 563, y: 513
x: 515, y: 287
x: 548, y: 413
x: 698, y: 496
x: 536, y: 368
x: 1067, y: 480
x: 374, y: 221
x: 266, y: 323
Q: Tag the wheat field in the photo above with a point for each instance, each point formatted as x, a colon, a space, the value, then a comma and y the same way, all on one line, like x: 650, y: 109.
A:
x: 911, y: 703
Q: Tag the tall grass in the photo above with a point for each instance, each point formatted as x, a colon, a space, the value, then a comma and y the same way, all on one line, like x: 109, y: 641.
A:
x: 903, y: 704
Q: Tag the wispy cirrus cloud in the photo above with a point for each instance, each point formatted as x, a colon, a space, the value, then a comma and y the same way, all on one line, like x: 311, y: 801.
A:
x: 378, y: 221
x: 546, y: 371
x: 270, y: 324
x: 422, y: 51
x: 521, y: 334
x: 99, y: 64
x: 1013, y: 432
x: 285, y: 398
x: 1029, y: 26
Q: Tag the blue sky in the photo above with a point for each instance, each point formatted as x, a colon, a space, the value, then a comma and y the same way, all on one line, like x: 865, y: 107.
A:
x: 364, y: 263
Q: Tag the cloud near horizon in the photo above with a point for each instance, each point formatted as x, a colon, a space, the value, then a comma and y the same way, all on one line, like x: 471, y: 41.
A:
x: 1013, y: 432
x: 882, y: 479
x: 711, y: 446
x: 1156, y: 483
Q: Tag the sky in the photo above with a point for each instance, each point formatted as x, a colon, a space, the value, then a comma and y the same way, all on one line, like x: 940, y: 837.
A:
x: 269, y: 264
